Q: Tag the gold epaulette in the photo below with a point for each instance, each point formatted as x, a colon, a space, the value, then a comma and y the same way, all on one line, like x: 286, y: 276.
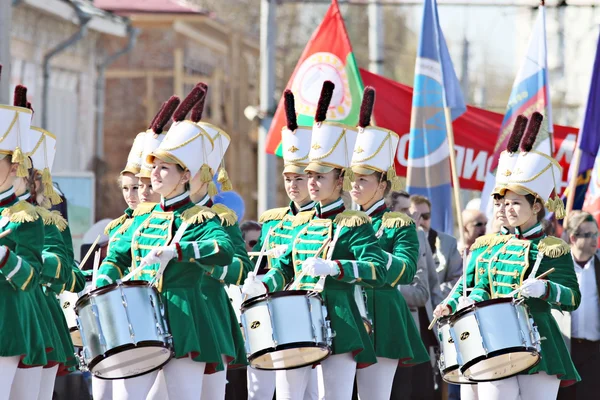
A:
x: 197, y: 214
x: 303, y: 217
x: 553, y: 247
x: 396, y: 220
x: 225, y: 214
x: 144, y: 208
x: 352, y: 218
x: 20, y: 213
x: 125, y: 225
x: 490, y: 240
x: 114, y: 223
x: 274, y: 214
x: 52, y: 218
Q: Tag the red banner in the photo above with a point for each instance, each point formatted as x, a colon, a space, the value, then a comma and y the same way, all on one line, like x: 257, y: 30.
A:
x: 475, y: 132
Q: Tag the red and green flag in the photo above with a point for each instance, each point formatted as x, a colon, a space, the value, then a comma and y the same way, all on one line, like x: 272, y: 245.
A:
x: 327, y: 56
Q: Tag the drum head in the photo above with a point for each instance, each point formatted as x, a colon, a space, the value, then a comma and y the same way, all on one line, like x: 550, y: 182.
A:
x: 130, y: 361
x: 76, y: 337
x: 289, y: 356
x: 500, y: 364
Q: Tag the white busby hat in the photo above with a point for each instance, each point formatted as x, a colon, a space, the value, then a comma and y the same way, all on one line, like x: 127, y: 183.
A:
x: 295, y: 140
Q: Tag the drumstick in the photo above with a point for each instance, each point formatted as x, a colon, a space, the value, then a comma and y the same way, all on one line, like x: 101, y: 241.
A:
x: 5, y: 233
x: 89, y: 253
x: 95, y: 270
x: 262, y: 251
x: 464, y: 279
x: 545, y: 274
x: 302, y: 274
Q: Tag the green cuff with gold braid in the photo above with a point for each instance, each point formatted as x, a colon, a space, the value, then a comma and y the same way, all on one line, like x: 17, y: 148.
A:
x: 51, y: 267
x: 560, y: 295
x: 274, y: 280
x: 18, y: 272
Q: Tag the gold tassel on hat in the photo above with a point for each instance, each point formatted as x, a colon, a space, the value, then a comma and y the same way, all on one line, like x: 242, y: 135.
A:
x: 348, y: 179
x: 54, y: 197
x: 391, y: 173
x: 223, y: 179
x: 212, y: 189
x: 205, y: 175
x: 22, y: 171
x: 395, y: 183
x: 557, y: 207
x: 17, y: 156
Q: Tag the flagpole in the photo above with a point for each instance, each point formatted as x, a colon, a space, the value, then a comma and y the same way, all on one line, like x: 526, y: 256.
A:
x: 573, y: 183
x: 453, y: 168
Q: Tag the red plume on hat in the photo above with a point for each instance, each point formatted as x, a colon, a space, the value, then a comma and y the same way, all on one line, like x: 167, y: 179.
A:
x: 290, y: 110
x: 165, y: 113
x: 324, y: 100
x: 198, y: 109
x: 517, y: 133
x: 532, y: 131
x: 190, y: 101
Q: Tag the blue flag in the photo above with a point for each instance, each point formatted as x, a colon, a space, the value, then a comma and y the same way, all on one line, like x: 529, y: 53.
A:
x: 436, y: 88
x: 588, y: 140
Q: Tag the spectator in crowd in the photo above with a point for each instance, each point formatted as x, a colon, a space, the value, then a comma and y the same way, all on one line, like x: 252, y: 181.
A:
x: 250, y: 233
x: 584, y: 324
x: 399, y: 201
x: 474, y: 222
x: 443, y: 246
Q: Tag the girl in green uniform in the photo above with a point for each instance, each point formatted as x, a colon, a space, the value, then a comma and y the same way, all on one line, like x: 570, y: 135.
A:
x: 353, y: 256
x: 276, y: 234
x: 395, y: 336
x: 23, y: 334
x: 517, y: 260
x: 225, y: 321
x: 149, y: 245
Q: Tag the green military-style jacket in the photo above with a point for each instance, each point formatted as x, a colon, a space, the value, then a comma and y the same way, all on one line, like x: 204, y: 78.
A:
x: 277, y: 226
x: 22, y: 331
x: 386, y: 306
x: 510, y: 260
x: 204, y: 242
x: 349, y: 238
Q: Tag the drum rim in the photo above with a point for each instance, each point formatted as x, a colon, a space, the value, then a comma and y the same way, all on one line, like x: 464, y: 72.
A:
x: 517, y: 349
x: 460, y: 313
x: 109, y: 288
x: 250, y: 302
x: 288, y: 346
x: 130, y: 346
x: 453, y: 368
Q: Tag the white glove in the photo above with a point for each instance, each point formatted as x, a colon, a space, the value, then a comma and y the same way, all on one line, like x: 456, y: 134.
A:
x: 533, y: 288
x: 464, y: 302
x: 318, y: 267
x: 277, y: 251
x: 160, y: 255
x: 253, y: 287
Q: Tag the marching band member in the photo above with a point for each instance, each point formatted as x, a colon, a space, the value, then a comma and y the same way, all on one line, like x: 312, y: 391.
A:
x: 374, y: 176
x: 277, y: 227
x: 517, y: 260
x: 353, y: 256
x: 150, y: 249
x: 22, y: 330
x: 136, y: 198
x: 225, y: 320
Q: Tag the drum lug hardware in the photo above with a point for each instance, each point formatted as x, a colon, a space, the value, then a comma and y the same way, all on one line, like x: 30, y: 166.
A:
x: 246, y: 342
x: 274, y: 334
x: 124, y: 302
x: 312, y: 325
x: 483, y: 343
x: 101, y: 338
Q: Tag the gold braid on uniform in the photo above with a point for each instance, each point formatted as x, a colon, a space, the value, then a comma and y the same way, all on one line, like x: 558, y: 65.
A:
x: 274, y: 214
x: 197, y: 214
x: 489, y: 240
x: 396, y: 220
x: 114, y: 223
x: 20, y: 213
x: 303, y: 218
x: 553, y: 247
x: 352, y: 218
x: 144, y: 208
x: 52, y: 218
x: 225, y: 214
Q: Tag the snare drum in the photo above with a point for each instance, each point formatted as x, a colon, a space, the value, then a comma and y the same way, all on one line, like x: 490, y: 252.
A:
x: 286, y: 330
x: 448, y: 362
x: 123, y: 330
x: 361, y: 303
x: 495, y: 339
x: 235, y: 296
x: 67, y: 303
